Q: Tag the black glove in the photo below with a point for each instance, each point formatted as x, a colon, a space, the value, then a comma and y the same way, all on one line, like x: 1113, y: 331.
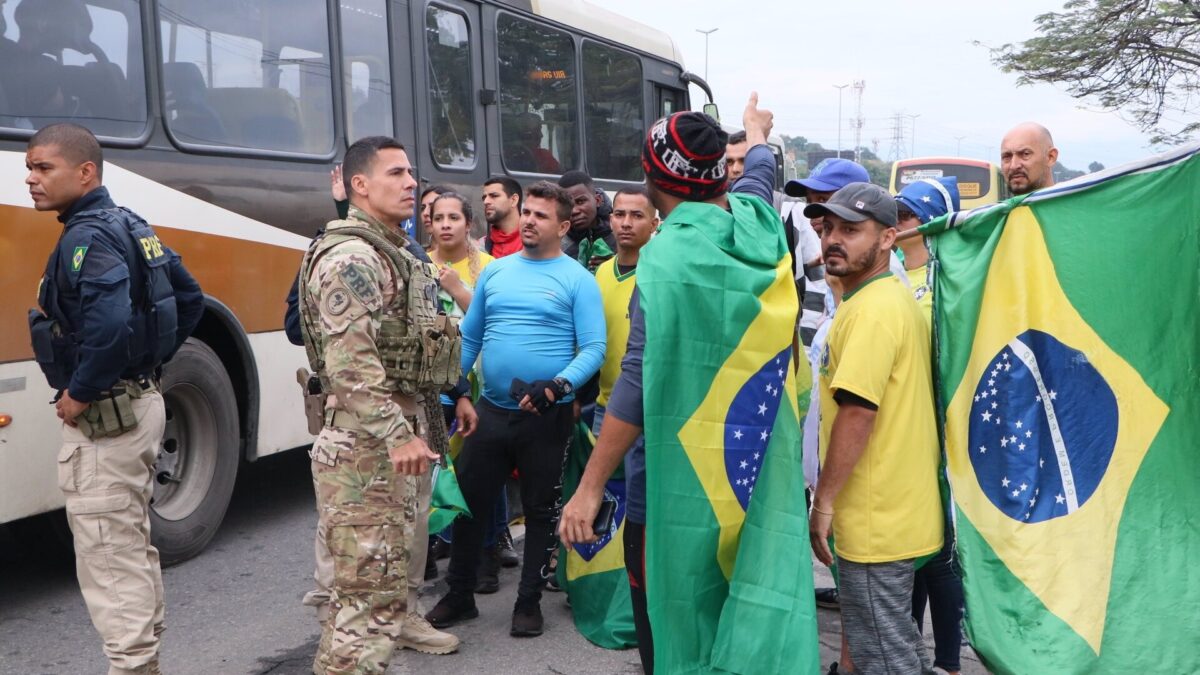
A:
x: 537, y: 392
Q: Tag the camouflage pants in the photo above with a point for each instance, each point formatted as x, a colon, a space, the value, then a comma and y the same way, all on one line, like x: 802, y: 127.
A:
x: 368, y: 513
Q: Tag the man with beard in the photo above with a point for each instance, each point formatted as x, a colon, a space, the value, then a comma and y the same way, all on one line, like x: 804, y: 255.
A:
x: 877, y: 490
x: 502, y: 211
x: 1027, y: 158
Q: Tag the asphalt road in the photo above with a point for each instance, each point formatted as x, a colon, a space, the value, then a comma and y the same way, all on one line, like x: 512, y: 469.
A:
x: 236, y: 608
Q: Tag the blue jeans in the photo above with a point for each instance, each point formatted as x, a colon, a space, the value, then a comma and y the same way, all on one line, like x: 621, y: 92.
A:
x: 499, y: 511
x: 940, y: 583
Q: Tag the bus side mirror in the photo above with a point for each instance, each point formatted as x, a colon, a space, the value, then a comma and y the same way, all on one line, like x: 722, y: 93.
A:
x: 710, y: 109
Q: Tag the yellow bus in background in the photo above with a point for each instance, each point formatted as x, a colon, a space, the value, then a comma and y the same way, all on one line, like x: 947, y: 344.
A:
x: 979, y: 182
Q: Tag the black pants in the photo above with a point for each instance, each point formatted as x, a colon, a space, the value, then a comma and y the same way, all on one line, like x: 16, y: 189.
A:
x: 635, y: 566
x: 536, y: 446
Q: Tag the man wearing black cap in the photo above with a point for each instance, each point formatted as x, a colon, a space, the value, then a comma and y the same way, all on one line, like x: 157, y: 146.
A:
x: 879, y: 449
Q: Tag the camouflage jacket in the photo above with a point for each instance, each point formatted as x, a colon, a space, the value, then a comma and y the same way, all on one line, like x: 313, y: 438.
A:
x: 353, y: 288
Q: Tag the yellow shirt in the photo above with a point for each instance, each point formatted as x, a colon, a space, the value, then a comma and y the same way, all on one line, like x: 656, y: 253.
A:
x: 878, y: 348
x: 918, y: 279
x: 616, y: 291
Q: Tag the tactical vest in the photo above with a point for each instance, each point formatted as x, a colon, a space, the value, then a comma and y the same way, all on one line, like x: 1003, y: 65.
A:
x: 153, y: 321
x: 421, y: 351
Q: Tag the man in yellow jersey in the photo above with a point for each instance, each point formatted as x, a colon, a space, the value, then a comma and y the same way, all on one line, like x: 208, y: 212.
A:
x: 877, y: 490
x: 918, y: 203
x: 634, y: 220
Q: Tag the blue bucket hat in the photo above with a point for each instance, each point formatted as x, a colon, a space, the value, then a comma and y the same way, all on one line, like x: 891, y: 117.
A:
x: 830, y: 175
x: 930, y: 198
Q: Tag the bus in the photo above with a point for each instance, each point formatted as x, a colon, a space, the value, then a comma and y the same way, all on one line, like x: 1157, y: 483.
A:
x: 979, y: 182
x: 221, y: 121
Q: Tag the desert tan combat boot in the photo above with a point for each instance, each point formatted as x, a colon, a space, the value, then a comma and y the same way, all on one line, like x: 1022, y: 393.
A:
x: 417, y: 634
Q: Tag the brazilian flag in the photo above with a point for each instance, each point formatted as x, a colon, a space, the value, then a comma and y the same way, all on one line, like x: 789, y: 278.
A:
x: 593, y: 575
x: 447, y: 501
x: 728, y: 563
x: 1068, y: 347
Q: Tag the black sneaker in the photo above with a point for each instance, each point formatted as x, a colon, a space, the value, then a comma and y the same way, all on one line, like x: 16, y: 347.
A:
x: 431, y: 570
x: 505, y: 550
x: 489, y: 573
x: 828, y: 598
x: 451, y: 609
x: 527, y: 619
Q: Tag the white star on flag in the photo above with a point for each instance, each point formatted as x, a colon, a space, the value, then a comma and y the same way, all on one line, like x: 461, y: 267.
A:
x: 737, y: 434
x: 764, y: 437
x: 1004, y: 482
x: 762, y: 409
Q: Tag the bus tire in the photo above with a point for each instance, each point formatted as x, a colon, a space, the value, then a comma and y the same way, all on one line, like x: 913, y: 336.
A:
x: 198, y: 461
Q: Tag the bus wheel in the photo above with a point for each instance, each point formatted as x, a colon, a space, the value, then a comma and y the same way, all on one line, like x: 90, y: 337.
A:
x: 198, y: 462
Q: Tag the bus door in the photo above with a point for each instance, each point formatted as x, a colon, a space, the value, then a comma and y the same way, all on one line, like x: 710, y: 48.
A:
x: 447, y: 76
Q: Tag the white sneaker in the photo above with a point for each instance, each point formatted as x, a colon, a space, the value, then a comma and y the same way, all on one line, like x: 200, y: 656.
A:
x: 418, y: 635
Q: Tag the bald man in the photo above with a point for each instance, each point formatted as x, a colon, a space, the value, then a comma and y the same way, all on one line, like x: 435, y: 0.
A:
x: 1027, y: 158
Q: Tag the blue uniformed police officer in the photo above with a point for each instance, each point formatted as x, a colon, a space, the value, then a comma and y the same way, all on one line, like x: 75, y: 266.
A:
x: 115, y: 303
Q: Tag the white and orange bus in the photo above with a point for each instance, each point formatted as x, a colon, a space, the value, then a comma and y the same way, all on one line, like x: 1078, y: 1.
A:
x: 220, y: 122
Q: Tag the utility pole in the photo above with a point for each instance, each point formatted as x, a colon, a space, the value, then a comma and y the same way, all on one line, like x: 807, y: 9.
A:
x: 840, y: 87
x: 912, y: 150
x: 958, y: 150
x: 859, y: 85
x: 706, y: 34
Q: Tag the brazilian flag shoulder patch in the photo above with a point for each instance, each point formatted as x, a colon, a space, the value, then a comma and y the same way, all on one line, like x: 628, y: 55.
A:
x: 77, y: 258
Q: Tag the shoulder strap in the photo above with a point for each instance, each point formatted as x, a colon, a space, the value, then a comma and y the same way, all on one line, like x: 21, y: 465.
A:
x: 387, y: 248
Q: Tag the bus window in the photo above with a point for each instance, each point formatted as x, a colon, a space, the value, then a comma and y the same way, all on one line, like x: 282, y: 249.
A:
x: 75, y: 62
x: 368, y: 76
x: 451, y: 106
x: 538, y: 109
x: 231, y: 79
x: 670, y: 101
x: 979, y: 182
x: 612, y: 112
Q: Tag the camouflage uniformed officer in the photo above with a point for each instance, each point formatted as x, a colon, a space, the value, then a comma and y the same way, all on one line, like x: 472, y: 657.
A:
x: 374, y: 338
x: 115, y: 303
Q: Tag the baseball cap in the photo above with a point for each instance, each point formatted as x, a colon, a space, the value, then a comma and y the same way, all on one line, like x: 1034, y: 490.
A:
x: 829, y: 175
x: 857, y: 202
x: 930, y: 198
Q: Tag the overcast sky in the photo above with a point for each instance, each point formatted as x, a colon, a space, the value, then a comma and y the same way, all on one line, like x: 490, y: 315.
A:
x: 916, y: 58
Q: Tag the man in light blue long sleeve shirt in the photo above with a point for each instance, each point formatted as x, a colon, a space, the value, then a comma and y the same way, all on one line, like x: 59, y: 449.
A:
x: 537, y: 322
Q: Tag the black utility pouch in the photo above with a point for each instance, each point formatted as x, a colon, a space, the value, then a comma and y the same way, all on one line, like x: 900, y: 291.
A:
x: 52, y: 350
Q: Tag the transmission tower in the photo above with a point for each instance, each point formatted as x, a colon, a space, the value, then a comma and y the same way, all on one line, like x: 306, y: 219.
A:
x: 859, y: 85
x: 896, y: 152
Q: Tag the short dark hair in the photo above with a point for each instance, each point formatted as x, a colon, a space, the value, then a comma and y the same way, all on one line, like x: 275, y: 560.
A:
x: 633, y: 190
x: 575, y: 177
x: 77, y: 144
x: 510, y: 185
x: 361, y: 155
x: 436, y: 189
x: 736, y: 137
x: 544, y: 189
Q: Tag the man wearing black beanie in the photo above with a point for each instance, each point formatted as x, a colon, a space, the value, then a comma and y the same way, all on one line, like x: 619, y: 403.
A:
x: 684, y: 162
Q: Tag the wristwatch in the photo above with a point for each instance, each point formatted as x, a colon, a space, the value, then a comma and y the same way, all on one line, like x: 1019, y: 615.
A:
x: 564, y: 385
